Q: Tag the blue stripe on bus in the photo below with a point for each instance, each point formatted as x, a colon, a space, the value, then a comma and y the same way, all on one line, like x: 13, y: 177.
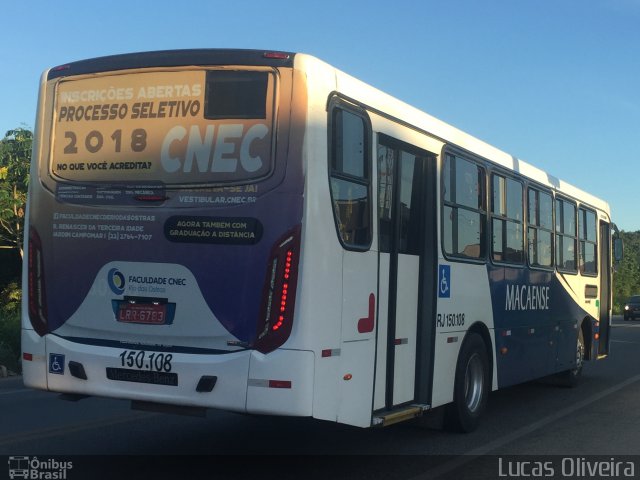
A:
x: 542, y: 320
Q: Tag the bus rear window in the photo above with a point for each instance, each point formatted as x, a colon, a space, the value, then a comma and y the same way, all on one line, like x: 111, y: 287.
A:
x: 232, y: 94
x: 195, y: 127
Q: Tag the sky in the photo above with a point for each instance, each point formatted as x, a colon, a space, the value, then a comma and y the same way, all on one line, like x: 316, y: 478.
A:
x: 553, y: 82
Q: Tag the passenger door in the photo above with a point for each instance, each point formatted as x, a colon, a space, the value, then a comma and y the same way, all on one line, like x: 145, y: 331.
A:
x: 605, y: 287
x: 403, y: 189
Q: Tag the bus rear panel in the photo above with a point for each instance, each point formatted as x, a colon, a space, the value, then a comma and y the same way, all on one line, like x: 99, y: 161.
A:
x: 165, y: 228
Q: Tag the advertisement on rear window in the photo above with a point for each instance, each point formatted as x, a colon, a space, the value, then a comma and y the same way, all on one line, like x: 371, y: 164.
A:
x: 181, y: 127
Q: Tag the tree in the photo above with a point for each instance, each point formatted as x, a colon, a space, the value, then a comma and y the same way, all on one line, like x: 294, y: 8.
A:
x: 626, y: 281
x: 15, y: 157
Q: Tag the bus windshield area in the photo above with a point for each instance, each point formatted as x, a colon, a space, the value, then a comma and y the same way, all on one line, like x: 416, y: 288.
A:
x: 170, y: 127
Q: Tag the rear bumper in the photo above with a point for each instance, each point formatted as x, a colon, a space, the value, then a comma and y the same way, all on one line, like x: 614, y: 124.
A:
x: 243, y: 377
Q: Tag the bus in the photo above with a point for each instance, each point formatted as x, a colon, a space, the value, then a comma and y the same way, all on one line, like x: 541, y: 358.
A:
x: 259, y: 232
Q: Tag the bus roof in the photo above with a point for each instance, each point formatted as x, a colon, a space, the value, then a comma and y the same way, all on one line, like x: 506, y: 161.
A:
x: 174, y: 58
x: 377, y: 100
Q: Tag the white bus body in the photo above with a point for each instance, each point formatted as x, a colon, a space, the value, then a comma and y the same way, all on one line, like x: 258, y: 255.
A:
x: 317, y: 248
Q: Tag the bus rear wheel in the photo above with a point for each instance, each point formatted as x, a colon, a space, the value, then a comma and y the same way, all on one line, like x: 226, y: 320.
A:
x: 571, y: 378
x: 471, y: 387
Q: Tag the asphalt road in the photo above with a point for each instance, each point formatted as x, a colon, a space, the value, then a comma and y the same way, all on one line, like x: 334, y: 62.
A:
x: 600, y: 417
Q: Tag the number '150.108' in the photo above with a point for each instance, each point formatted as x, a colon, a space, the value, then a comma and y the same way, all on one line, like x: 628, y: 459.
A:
x: 159, y: 362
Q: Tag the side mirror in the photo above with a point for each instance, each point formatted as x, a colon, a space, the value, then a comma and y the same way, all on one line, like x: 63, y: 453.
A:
x: 618, y: 249
x: 618, y: 246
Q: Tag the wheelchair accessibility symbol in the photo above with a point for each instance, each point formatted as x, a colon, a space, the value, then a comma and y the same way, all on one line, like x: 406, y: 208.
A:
x: 444, y: 281
x: 56, y: 363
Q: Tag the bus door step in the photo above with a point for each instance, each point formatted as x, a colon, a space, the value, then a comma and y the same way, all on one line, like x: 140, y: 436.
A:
x: 384, y: 419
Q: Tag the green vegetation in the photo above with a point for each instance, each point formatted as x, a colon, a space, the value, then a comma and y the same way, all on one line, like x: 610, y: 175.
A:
x: 15, y: 157
x: 626, y: 281
x: 10, y: 326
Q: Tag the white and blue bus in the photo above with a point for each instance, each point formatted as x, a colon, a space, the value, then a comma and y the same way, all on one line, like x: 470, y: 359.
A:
x: 260, y: 232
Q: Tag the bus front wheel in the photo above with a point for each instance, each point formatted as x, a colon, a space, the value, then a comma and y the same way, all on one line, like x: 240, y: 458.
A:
x: 471, y: 387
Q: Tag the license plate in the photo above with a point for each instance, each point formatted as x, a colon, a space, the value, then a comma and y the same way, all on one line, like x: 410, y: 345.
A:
x: 147, y: 313
x: 142, y: 376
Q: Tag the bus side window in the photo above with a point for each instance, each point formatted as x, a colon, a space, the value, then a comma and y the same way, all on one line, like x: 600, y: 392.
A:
x: 566, y: 248
x: 349, y: 177
x: 464, y: 212
x: 540, y: 229
x: 507, y: 220
x: 588, y: 234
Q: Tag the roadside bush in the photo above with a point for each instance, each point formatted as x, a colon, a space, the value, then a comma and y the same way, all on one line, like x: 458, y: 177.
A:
x: 10, y: 327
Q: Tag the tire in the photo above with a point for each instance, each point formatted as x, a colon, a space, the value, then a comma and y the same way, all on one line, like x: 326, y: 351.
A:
x: 571, y: 378
x: 471, y: 386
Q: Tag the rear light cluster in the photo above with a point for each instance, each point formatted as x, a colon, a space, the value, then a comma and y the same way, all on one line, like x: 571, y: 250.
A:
x: 278, y: 300
x: 285, y: 290
x: 37, y: 295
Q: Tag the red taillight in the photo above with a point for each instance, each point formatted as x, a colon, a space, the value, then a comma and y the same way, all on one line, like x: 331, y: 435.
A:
x: 277, y: 55
x: 276, y: 314
x: 279, y: 383
x: 284, y: 291
x: 37, y: 295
